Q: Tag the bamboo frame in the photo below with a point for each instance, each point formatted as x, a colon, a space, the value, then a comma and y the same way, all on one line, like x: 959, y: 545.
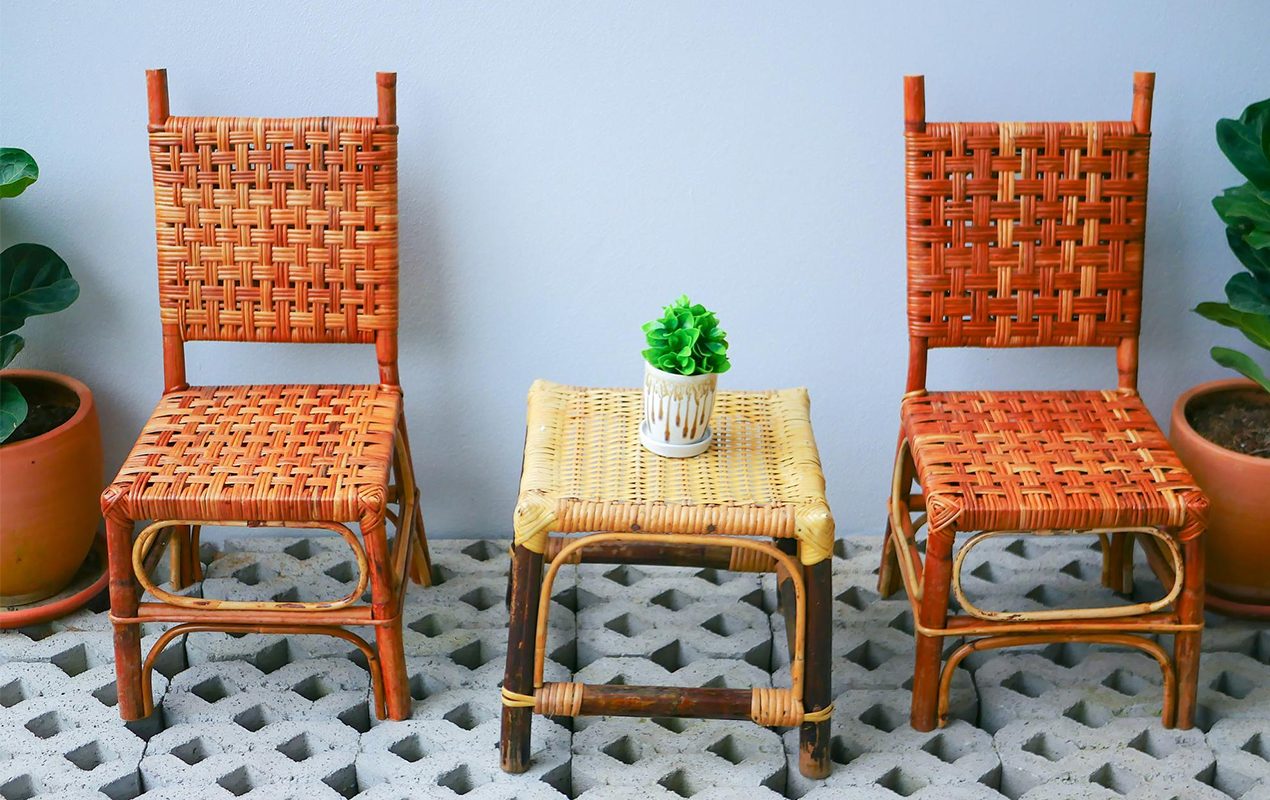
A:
x: 141, y: 544
x: 1103, y: 612
x: 544, y: 600
x: 1163, y: 509
x: 1123, y: 640
x: 355, y: 465
x: 372, y: 658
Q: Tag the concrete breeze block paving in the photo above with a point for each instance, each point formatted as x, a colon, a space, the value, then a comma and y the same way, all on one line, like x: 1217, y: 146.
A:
x: 271, y: 717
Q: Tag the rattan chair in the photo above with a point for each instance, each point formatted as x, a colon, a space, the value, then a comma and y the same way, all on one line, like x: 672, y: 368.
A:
x: 1029, y: 235
x: 271, y: 230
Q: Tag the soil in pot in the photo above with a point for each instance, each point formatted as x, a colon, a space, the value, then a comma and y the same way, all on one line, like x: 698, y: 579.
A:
x: 1238, y: 420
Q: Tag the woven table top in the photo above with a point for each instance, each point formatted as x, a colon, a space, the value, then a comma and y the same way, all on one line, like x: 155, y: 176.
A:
x: 585, y: 470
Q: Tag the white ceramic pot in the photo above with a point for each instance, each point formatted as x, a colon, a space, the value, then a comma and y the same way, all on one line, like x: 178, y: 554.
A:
x: 677, y: 412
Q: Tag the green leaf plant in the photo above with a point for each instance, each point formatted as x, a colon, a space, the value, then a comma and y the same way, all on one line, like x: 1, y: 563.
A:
x: 1246, y: 211
x: 33, y: 280
x: 687, y: 340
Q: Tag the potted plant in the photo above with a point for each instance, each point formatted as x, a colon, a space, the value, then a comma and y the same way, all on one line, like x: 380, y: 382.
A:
x: 1222, y: 429
x: 687, y: 350
x: 50, y: 444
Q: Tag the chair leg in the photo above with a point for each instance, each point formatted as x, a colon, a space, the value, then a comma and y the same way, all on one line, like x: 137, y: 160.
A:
x: 1117, y: 563
x: 813, y: 751
x: 392, y: 660
x: 1186, y: 646
x: 526, y: 584
x: 889, y: 571
x: 420, y: 558
x: 392, y: 657
x: 123, y: 602
x: 181, y: 558
x: 933, y: 613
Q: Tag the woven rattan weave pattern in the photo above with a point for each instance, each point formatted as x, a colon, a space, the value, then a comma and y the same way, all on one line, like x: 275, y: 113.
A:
x: 263, y: 452
x: 1025, y: 233
x: 280, y: 230
x: 586, y: 471
x: 1036, y: 460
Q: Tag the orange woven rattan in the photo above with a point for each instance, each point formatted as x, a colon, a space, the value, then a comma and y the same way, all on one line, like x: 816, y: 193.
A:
x: 279, y: 230
x: 275, y: 230
x: 1019, y: 235
x: 1025, y: 233
x: 1013, y: 460
x: 263, y: 452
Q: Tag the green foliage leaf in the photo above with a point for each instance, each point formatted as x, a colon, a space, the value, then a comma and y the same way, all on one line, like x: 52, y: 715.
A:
x: 1257, y: 261
x: 1247, y: 211
x: 1254, y: 326
x: 1246, y: 142
x: 10, y: 345
x: 687, y: 340
x: 17, y: 171
x: 33, y: 280
x: 1245, y: 294
x: 1242, y: 364
x: 12, y: 409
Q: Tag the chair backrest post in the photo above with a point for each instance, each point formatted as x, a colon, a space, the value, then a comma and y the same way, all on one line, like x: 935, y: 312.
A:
x: 157, y: 94
x: 915, y: 122
x: 1127, y: 350
x: 387, y: 86
x: 173, y: 343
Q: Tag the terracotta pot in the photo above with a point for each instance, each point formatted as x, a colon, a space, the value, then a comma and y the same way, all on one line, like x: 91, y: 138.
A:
x: 49, y: 494
x: 1237, y: 542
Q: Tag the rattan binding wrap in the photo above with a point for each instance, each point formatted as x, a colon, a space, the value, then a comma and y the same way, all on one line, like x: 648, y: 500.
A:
x: 1047, y: 460
x: 1025, y: 233
x: 279, y: 230
x: 586, y: 471
x: 559, y: 699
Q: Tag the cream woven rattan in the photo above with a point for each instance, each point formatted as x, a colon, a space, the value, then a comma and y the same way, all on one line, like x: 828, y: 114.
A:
x: 585, y: 472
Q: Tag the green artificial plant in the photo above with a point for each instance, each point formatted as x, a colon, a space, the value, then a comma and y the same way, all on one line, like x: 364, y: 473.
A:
x: 33, y: 280
x: 1246, y: 211
x: 687, y: 340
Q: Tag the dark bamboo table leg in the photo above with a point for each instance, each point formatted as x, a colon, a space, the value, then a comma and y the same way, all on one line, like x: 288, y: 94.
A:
x: 526, y: 583
x: 933, y: 613
x: 123, y: 603
x: 813, y: 750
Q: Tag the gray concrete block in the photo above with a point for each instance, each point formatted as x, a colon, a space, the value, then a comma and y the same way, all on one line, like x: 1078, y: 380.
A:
x: 710, y: 629
x: 871, y: 743
x: 1073, y: 680
x: 241, y: 758
x: 1242, y: 748
x: 881, y: 791
x: 59, y: 743
x: 1120, y: 754
x: 672, y: 588
x: 241, y: 692
x: 303, y: 790
x: 685, y: 774
x: 466, y: 773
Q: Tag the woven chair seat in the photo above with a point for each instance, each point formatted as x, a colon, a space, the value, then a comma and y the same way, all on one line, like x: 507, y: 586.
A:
x: 586, y: 470
x: 293, y: 453
x: 1044, y: 460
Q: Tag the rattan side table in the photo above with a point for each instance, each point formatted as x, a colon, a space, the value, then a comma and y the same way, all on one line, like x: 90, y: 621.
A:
x: 585, y: 472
